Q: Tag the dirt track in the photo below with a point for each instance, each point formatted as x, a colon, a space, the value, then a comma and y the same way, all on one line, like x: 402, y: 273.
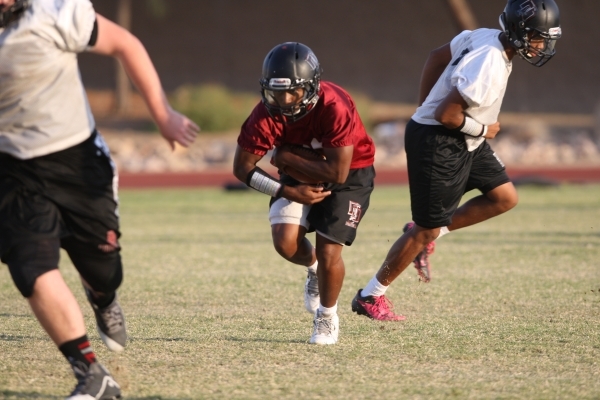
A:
x: 537, y: 176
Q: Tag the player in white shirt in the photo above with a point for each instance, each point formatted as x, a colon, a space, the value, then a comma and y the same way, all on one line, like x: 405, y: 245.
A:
x: 461, y: 91
x: 58, y: 186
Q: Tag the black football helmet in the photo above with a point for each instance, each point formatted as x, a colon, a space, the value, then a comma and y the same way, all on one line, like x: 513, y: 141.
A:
x: 13, y: 12
x: 526, y: 21
x: 290, y: 66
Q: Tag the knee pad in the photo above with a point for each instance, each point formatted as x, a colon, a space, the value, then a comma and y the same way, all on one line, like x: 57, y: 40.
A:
x: 284, y: 211
x: 102, y: 270
x: 29, y: 260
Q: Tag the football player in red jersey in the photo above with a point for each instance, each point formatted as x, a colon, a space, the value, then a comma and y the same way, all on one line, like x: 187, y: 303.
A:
x: 297, y: 108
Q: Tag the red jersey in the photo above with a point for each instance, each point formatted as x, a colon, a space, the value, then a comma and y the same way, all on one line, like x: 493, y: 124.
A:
x: 333, y: 122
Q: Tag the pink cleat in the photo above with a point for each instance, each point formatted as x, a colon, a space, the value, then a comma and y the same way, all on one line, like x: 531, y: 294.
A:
x: 375, y: 307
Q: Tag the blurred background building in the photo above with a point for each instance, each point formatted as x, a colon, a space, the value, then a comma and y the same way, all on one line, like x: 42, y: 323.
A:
x: 376, y: 48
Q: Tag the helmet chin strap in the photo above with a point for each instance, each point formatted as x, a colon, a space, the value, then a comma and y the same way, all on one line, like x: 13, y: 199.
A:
x: 515, y: 44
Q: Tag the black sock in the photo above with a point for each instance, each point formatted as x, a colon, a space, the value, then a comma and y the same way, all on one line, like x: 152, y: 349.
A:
x: 79, y: 353
x: 103, y: 300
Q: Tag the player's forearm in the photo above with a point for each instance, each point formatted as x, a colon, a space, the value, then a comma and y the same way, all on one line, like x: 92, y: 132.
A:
x: 331, y: 171
x: 243, y: 163
x: 451, y: 111
x: 241, y: 171
x: 141, y: 71
x: 117, y: 42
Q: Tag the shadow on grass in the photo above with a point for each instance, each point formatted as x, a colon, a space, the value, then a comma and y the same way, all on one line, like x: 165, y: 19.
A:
x: 158, y: 339
x: 158, y: 398
x: 263, y: 340
x: 15, y: 338
x: 530, y: 238
x: 9, y: 394
x: 16, y: 315
x: 230, y: 338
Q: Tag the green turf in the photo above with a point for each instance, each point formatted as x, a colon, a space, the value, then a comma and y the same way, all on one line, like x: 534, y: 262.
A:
x: 512, y: 312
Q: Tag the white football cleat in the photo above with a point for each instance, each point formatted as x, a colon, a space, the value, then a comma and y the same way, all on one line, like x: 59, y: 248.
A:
x: 326, y: 329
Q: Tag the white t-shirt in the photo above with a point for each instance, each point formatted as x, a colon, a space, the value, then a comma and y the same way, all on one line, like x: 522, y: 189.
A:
x: 43, y: 105
x: 479, y: 70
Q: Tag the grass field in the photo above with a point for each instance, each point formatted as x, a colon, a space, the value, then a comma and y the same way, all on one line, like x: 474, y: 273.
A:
x: 512, y: 312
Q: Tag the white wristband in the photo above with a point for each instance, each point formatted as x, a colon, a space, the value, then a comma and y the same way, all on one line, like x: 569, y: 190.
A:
x: 261, y: 181
x: 473, y: 128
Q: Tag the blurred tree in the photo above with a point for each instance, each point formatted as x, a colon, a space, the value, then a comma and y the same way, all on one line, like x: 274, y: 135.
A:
x: 123, y: 90
x: 463, y: 15
x: 158, y: 8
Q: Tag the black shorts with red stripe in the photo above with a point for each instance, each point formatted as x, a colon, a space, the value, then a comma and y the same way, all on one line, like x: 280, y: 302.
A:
x: 65, y: 199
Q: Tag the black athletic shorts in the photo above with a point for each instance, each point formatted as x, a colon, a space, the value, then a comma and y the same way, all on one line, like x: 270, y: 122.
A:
x: 337, y: 217
x: 67, y: 194
x: 441, y: 170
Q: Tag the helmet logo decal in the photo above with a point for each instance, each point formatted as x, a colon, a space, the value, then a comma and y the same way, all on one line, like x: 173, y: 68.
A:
x: 527, y: 10
x: 311, y: 59
x: 280, y: 82
x: 555, y: 32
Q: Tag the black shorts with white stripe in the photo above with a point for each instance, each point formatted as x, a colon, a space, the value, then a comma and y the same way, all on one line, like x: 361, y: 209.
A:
x: 441, y: 170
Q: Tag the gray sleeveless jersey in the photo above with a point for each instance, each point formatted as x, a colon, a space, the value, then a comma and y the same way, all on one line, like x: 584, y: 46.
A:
x: 43, y: 105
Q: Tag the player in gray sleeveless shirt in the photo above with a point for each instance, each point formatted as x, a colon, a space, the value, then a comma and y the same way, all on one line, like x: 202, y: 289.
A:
x: 58, y: 185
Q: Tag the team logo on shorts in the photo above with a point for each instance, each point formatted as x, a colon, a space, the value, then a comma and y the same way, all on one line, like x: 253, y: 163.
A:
x: 354, y: 211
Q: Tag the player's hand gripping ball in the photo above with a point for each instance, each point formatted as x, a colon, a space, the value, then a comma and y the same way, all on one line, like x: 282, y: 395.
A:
x: 306, y: 153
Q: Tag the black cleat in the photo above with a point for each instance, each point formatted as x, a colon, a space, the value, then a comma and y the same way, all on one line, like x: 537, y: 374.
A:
x: 95, y: 383
x: 110, y: 323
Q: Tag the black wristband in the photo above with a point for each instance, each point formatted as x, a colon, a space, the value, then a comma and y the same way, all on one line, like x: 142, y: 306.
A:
x: 461, y: 125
